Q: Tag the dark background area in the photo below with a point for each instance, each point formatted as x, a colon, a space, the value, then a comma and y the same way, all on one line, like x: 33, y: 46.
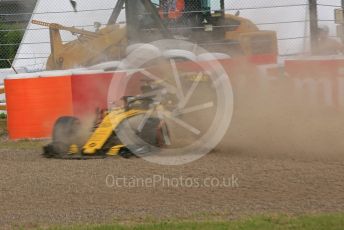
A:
x: 14, y: 17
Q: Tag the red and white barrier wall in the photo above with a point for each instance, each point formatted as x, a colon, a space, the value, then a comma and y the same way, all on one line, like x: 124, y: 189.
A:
x: 321, y: 80
x: 35, y: 101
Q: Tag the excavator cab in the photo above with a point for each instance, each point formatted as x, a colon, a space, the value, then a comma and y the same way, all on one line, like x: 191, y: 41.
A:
x: 165, y: 18
x: 204, y: 22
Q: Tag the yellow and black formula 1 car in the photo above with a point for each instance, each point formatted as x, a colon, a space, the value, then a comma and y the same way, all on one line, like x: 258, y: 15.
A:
x: 67, y: 141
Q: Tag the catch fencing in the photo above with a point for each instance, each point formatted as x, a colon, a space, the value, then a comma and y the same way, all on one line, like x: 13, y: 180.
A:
x: 27, y: 46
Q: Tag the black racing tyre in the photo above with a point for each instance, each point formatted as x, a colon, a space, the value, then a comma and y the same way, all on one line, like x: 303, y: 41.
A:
x: 153, y: 135
x: 150, y: 132
x: 65, y: 133
x: 125, y: 153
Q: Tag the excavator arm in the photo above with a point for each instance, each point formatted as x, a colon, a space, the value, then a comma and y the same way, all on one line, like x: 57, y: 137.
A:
x: 88, y: 49
x: 73, y: 30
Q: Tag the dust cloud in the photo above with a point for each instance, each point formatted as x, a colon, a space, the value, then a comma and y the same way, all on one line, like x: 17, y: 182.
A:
x: 274, y: 119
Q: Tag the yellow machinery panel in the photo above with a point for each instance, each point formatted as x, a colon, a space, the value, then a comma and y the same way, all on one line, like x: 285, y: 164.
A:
x: 260, y: 42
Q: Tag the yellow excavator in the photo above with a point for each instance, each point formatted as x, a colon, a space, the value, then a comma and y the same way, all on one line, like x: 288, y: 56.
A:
x: 146, y: 21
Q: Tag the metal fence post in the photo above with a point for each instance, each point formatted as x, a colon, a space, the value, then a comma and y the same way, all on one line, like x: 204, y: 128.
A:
x: 342, y: 37
x: 313, y: 18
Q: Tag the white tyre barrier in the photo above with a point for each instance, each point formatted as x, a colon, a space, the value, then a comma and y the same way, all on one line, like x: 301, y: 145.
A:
x: 2, y: 105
